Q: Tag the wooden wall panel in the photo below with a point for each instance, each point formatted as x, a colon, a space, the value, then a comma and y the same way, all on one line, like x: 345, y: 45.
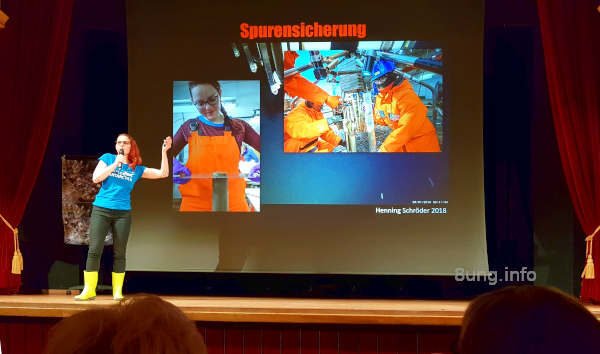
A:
x: 36, y: 339
x: 438, y: 343
x: 290, y: 341
x: 271, y: 343
x: 408, y: 343
x: 329, y: 341
x: 395, y: 342
x: 252, y: 340
x: 29, y: 336
x: 234, y: 339
x: 309, y: 341
x: 3, y: 336
x: 368, y: 342
x: 349, y: 341
x: 22, y: 335
x: 215, y: 340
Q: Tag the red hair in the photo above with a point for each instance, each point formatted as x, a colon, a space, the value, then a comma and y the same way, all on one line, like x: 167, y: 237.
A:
x: 134, y: 157
x: 90, y: 331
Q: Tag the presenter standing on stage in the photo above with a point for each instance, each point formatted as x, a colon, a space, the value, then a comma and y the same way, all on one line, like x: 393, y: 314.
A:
x: 112, y: 209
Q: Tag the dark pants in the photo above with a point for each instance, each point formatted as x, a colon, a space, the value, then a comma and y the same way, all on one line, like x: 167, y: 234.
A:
x: 102, y: 220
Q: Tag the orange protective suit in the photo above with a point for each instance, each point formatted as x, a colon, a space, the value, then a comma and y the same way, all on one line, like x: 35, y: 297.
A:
x: 210, y: 154
x: 306, y: 130
x: 400, y: 108
x: 298, y: 86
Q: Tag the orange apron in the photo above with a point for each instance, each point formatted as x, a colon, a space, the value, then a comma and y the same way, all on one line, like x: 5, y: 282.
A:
x: 208, y: 154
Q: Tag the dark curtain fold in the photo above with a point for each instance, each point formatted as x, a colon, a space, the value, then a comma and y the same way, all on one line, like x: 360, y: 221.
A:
x: 33, y: 47
x: 570, y: 33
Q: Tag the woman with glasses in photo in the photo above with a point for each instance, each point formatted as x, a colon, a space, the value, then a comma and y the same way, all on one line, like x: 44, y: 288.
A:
x: 111, y: 210
x: 214, y: 140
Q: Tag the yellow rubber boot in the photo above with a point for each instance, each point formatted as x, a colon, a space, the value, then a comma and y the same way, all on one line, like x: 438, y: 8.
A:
x: 117, y: 285
x: 90, y: 280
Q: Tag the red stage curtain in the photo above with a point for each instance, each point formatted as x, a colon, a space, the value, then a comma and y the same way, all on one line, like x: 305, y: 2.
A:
x: 570, y: 33
x: 32, y: 53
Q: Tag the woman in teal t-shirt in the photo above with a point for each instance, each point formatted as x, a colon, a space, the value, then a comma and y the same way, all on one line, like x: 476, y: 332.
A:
x: 112, y: 209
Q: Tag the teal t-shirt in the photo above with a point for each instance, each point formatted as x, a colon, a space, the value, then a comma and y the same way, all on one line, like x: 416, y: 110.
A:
x: 115, y: 192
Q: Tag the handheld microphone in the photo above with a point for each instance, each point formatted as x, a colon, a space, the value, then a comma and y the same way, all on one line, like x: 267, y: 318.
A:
x: 121, y: 152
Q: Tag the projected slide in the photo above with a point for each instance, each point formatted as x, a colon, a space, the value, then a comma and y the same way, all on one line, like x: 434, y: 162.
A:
x: 216, y: 144
x: 309, y: 141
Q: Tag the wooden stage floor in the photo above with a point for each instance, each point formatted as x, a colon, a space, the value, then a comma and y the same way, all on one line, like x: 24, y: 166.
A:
x: 265, y: 310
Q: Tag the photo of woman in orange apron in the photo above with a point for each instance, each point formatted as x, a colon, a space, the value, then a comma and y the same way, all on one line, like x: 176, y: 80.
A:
x: 214, y: 140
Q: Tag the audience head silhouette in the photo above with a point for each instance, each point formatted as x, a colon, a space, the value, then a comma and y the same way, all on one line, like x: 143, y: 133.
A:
x: 528, y: 320
x: 139, y: 325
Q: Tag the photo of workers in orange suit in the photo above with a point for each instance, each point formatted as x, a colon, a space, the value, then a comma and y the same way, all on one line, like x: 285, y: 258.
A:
x: 375, y: 98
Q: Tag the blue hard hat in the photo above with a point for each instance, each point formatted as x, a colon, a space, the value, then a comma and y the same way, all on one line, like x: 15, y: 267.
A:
x: 382, y: 67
